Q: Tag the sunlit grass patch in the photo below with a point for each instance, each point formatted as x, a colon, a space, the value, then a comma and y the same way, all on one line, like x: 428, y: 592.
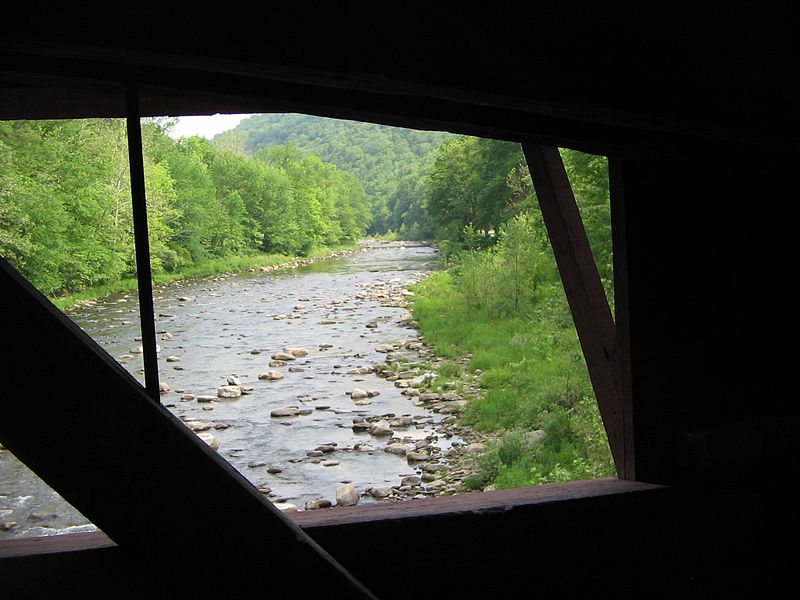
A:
x: 535, y: 392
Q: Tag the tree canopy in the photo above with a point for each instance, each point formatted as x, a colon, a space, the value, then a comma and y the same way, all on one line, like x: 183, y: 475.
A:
x: 65, y: 216
x: 391, y: 163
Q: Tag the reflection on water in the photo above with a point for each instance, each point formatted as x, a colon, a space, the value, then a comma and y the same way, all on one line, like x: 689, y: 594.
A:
x: 225, y: 327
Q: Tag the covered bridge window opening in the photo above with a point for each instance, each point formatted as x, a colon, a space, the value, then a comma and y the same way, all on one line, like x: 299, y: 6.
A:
x: 513, y: 444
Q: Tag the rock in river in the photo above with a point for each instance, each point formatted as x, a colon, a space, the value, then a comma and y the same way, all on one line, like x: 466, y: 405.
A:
x: 229, y: 391
x: 417, y: 456
x: 270, y: 375
x: 399, y: 448
x: 380, y: 430
x: 198, y: 426
x: 346, y: 495
x: 296, y: 351
x: 209, y: 439
x: 383, y: 491
x: 289, y: 411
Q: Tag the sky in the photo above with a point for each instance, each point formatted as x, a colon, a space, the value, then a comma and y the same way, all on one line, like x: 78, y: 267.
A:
x: 205, y: 126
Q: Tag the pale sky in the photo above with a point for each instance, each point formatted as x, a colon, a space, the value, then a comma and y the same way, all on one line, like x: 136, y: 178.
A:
x: 205, y: 126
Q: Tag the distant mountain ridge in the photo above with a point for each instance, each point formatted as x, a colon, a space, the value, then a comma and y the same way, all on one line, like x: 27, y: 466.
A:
x: 390, y: 162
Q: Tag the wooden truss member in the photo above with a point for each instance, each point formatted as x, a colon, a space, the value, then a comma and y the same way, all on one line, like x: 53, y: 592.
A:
x: 587, y: 300
x: 142, y: 242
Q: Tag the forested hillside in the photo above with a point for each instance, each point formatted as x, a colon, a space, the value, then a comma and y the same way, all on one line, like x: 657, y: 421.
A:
x: 391, y: 163
x: 65, y: 216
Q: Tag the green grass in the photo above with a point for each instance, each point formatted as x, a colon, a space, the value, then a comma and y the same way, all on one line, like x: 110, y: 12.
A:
x: 534, y: 378
x: 449, y: 370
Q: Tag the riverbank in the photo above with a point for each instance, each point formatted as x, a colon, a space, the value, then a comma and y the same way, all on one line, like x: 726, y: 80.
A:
x: 429, y: 380
x: 531, y: 407
x: 227, y: 266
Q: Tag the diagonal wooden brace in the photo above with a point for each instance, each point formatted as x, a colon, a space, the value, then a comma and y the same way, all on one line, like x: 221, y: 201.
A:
x: 585, y: 294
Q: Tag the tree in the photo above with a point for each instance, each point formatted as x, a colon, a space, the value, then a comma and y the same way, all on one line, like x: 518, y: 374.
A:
x: 588, y: 175
x: 450, y: 201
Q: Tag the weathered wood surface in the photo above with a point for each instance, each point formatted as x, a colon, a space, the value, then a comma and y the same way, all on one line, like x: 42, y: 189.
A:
x: 472, y: 503
x: 442, y: 507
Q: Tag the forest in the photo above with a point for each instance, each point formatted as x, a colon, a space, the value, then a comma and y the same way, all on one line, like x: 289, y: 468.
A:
x: 392, y: 163
x: 65, y: 217
x: 293, y: 185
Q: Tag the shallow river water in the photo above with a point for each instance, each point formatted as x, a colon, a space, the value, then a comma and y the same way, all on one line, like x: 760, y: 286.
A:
x: 218, y: 327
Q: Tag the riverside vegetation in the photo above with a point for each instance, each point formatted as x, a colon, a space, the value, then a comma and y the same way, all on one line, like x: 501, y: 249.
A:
x: 496, y: 321
x: 501, y: 304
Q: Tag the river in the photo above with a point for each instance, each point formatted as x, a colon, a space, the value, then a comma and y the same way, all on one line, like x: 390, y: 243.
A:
x: 230, y: 326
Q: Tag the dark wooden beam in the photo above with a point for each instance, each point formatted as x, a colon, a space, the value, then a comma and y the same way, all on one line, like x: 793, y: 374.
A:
x: 43, y: 85
x: 642, y: 78
x: 141, y: 239
x: 131, y: 467
x: 622, y: 324
x: 587, y: 300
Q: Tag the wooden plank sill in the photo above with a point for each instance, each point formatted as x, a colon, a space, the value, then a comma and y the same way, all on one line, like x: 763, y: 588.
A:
x: 448, y: 506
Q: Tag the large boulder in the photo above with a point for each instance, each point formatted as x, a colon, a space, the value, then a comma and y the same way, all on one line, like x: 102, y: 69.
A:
x: 346, y: 495
x: 229, y: 391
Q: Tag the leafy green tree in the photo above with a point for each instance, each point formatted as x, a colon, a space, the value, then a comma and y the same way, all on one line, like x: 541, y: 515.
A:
x: 451, y: 201
x: 78, y: 216
x: 231, y: 174
x: 197, y: 208
x: 32, y: 215
x: 469, y: 186
x: 328, y: 205
x: 588, y: 175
